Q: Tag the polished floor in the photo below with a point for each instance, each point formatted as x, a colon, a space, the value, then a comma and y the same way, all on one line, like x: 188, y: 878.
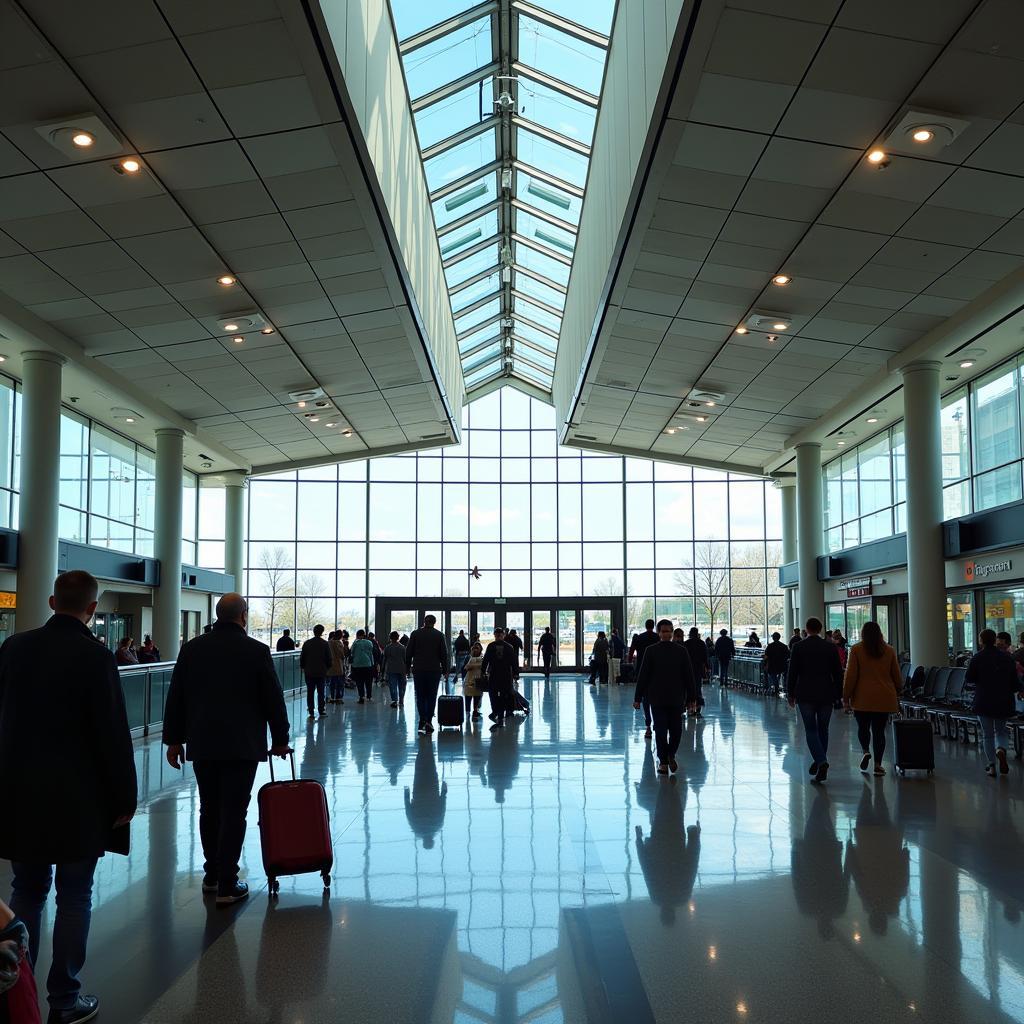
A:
x: 545, y: 873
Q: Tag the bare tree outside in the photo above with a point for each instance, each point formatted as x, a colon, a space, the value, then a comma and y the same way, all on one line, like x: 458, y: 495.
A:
x: 310, y: 606
x: 276, y: 565
x: 710, y: 586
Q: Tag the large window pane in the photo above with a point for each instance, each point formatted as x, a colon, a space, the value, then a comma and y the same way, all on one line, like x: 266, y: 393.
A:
x: 995, y: 420
x: 113, y: 476
x: 450, y: 57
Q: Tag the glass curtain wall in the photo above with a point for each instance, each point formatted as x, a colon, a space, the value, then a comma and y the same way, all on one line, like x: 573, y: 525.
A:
x: 865, y: 496
x: 536, y: 519
x: 107, y: 483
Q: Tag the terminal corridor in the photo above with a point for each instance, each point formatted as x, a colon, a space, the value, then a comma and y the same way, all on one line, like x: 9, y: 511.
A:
x: 544, y: 872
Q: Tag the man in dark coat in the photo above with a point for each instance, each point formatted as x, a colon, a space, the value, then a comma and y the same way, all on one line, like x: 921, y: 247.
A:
x: 66, y: 756
x: 815, y: 683
x: 223, y: 695
x: 426, y: 656
x: 992, y: 674
x: 725, y: 651
x: 637, y: 646
x: 665, y: 681
x: 285, y: 641
x: 698, y: 652
x: 499, y: 668
x: 315, y: 662
x: 776, y: 658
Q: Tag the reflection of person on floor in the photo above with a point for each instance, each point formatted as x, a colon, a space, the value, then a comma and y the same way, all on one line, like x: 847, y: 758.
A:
x: 284, y: 992
x: 503, y: 759
x: 670, y: 855
x: 820, y: 885
x: 877, y: 859
x: 426, y: 806
x: 394, y: 746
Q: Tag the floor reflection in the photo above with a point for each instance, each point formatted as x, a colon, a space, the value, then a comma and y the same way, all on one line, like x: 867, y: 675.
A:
x: 544, y: 872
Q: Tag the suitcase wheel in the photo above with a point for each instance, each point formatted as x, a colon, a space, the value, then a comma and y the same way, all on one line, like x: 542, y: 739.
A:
x: 274, y: 886
x: 327, y: 879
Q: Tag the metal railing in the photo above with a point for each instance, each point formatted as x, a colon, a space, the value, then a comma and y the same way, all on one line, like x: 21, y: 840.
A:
x: 145, y: 689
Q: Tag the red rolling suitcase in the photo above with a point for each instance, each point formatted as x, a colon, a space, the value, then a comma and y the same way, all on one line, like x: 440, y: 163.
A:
x: 295, y: 829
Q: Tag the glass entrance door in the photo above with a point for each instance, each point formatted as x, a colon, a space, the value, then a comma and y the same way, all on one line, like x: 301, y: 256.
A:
x: 568, y: 639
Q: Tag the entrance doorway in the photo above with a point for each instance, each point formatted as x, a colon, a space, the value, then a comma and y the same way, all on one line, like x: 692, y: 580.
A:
x: 575, y: 622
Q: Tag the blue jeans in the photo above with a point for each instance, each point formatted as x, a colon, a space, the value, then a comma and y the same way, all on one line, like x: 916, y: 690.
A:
x: 337, y: 687
x: 993, y: 734
x: 29, y: 890
x: 460, y: 663
x: 425, y: 684
x: 396, y: 684
x: 816, y: 718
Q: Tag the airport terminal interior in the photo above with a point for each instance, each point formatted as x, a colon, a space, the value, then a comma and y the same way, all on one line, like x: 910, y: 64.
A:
x: 560, y: 317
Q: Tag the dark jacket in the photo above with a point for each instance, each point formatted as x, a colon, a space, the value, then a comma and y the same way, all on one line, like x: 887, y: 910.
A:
x: 66, y: 753
x: 223, y: 695
x: 640, y: 643
x: 546, y: 642
x: 666, y: 677
x: 993, y: 674
x: 461, y: 644
x: 315, y: 657
x: 618, y: 645
x: 600, y: 651
x: 815, y: 672
x: 427, y: 651
x: 499, y: 665
x: 698, y: 656
x: 725, y: 648
x: 286, y: 643
x: 776, y: 656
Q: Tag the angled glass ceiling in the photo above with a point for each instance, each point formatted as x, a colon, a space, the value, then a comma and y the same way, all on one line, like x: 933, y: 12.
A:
x: 504, y: 96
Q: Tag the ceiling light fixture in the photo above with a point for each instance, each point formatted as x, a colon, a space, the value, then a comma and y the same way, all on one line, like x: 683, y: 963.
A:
x: 131, y: 166
x: 231, y: 326
x: 3, y: 359
x: 302, y: 405
x: 780, y: 326
x: 226, y: 280
x: 129, y: 419
x: 922, y: 135
x: 347, y: 433
x: 840, y: 443
x: 741, y: 330
x: 710, y: 405
x: 266, y: 330
x: 82, y: 139
x: 966, y: 364
x: 670, y: 430
x: 879, y: 158
x: 314, y: 419
x: 702, y: 419
x: 332, y: 424
x: 781, y: 279
x: 872, y: 419
x: 238, y: 339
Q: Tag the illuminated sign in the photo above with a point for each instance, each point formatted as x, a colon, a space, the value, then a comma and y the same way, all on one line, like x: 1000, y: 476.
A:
x: 999, y: 610
x: 974, y: 571
x: 8, y: 600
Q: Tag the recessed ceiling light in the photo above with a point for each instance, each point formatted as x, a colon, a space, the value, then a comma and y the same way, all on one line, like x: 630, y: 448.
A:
x: 238, y: 339
x: 231, y: 327
x: 840, y: 443
x: 702, y: 419
x: 314, y: 419
x: 710, y: 405
x: 226, y: 279
x: 82, y: 139
x: 332, y: 424
x: 780, y: 326
x: 966, y: 364
x: 872, y: 419
x: 670, y: 430
x: 922, y: 135
x: 347, y: 433
x: 129, y: 419
x: 3, y: 359
x: 781, y: 279
x: 131, y: 165
x: 302, y: 405
x: 877, y: 156
x: 741, y: 330
x: 266, y: 330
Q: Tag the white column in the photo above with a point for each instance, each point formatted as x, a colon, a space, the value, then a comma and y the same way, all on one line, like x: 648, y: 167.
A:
x: 234, y: 526
x: 170, y: 443
x: 40, y: 486
x: 809, y: 529
x: 926, y: 583
x: 787, y: 489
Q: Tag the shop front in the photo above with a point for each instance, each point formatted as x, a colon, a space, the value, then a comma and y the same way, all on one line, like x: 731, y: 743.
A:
x: 985, y: 592
x: 881, y: 598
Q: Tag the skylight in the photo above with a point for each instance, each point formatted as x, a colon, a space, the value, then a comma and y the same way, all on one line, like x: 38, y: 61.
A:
x: 504, y: 96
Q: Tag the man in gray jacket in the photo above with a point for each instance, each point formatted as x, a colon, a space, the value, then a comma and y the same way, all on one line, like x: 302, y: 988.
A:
x: 426, y: 654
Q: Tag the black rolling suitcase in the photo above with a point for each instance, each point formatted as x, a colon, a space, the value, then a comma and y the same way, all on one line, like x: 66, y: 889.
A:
x: 451, y: 711
x: 626, y: 673
x: 914, y: 745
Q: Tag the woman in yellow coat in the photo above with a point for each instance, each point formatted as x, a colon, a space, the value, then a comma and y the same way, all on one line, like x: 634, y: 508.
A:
x: 871, y: 687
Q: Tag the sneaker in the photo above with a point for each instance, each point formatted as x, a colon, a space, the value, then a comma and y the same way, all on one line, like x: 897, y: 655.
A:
x: 493, y: 717
x: 394, y: 703
x: 323, y: 711
x: 310, y: 717
x: 865, y: 761
x: 990, y: 770
x: 209, y: 884
x: 814, y: 768
x: 238, y: 892
x: 1004, y: 768
x: 85, y: 1008
x: 674, y: 765
x: 822, y: 772
x: 648, y: 734
x: 422, y: 730
x: 429, y: 726
x: 663, y: 768
x: 878, y: 772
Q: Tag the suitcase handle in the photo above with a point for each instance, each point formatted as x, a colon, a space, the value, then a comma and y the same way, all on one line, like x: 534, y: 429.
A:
x: 270, y: 759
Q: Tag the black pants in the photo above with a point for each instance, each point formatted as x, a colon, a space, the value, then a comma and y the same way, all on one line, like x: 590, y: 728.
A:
x: 316, y: 686
x: 668, y: 728
x: 472, y: 704
x: 364, y: 681
x: 871, y: 731
x: 545, y: 656
x: 225, y: 788
x: 501, y: 702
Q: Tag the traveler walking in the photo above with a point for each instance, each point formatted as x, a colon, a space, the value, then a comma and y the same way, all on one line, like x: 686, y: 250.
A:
x: 286, y: 642
x: 315, y: 662
x: 394, y: 670
x: 725, y: 651
x: 67, y: 762
x: 665, y: 680
x: 600, y: 654
x: 514, y: 640
x: 223, y: 695
x: 795, y: 638
x: 698, y: 652
x: 362, y: 666
x: 993, y: 674
x: 546, y: 650
x: 776, y: 658
x: 871, y: 687
x: 815, y: 684
x: 637, y: 646
x: 618, y: 651
x: 498, y: 667
x: 427, y: 655
x: 336, y: 673
x: 460, y: 647
x: 471, y: 680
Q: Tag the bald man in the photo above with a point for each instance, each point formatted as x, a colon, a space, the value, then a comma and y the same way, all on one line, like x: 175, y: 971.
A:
x: 224, y: 694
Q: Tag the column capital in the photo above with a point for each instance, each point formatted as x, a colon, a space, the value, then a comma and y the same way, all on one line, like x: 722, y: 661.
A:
x: 169, y: 432
x: 920, y: 366
x: 43, y: 355
x: 235, y: 478
x: 806, y: 444
x: 789, y: 480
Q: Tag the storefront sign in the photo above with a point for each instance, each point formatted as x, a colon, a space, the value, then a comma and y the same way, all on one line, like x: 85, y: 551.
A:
x: 8, y: 600
x: 974, y: 571
x: 856, y: 588
x: 999, y: 610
